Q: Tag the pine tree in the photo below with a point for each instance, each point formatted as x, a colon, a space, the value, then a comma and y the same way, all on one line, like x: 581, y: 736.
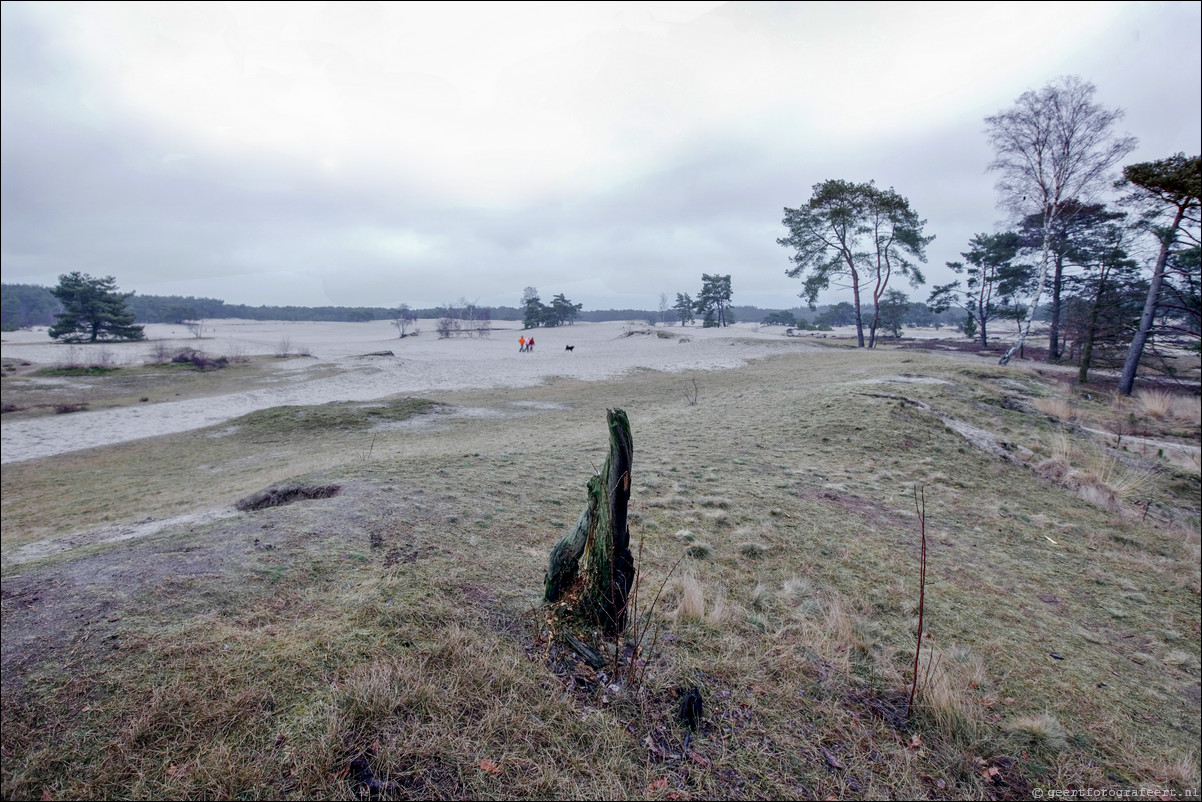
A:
x: 714, y: 300
x: 93, y: 310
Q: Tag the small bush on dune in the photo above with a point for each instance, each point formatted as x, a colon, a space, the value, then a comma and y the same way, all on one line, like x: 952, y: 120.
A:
x: 188, y: 356
x: 65, y: 409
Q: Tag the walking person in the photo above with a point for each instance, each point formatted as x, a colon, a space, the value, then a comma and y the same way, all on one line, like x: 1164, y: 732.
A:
x: 521, y: 343
x: 530, y: 344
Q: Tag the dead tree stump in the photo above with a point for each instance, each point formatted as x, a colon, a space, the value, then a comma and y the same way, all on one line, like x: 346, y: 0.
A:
x: 594, y: 558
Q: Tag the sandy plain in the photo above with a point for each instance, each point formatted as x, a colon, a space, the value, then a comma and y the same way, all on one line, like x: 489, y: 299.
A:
x: 343, y: 362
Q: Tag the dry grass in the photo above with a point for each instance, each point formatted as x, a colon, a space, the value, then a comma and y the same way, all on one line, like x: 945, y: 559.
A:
x: 1043, y: 731
x: 690, y: 599
x: 389, y: 641
x: 1101, y: 479
x: 1155, y: 403
x: 1057, y: 407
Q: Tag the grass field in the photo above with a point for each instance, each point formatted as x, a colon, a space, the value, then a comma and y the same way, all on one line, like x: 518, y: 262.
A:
x: 389, y: 641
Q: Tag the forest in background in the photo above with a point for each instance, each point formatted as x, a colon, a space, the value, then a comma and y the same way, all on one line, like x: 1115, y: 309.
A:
x: 28, y: 305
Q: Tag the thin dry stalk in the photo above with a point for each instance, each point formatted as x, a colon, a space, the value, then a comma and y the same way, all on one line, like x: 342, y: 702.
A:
x: 922, y: 585
x: 638, y: 643
x: 632, y: 604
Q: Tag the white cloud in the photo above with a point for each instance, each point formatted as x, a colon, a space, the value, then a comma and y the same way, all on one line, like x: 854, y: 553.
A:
x: 622, y: 149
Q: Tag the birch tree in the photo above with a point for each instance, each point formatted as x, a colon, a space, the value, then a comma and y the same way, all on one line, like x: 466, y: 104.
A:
x: 1051, y: 146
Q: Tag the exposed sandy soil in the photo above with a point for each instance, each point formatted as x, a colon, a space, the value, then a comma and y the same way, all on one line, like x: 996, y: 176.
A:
x: 337, y: 366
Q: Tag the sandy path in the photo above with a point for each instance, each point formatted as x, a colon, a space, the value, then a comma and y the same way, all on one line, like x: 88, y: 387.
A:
x: 422, y: 364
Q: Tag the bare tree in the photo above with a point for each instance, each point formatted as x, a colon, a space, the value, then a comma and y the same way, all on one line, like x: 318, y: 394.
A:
x: 1051, y: 146
x: 404, y: 319
x: 449, y: 324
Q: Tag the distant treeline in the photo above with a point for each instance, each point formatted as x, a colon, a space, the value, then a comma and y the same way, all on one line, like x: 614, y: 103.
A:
x: 26, y: 305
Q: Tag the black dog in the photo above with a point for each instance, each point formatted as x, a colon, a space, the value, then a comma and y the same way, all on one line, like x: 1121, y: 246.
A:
x: 569, y: 348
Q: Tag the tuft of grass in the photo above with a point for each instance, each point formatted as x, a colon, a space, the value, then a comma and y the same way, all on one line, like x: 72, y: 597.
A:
x: 699, y: 550
x: 795, y: 589
x: 1112, y: 476
x: 1100, y: 479
x: 1057, y: 407
x: 946, y: 694
x: 1155, y: 403
x: 761, y: 597
x: 1041, y: 731
x: 752, y: 550
x: 690, y: 605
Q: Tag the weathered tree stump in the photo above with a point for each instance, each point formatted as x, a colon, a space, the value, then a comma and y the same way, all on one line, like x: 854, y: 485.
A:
x: 594, y: 558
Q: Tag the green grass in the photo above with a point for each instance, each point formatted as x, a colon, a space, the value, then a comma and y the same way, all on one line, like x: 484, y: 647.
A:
x: 285, y: 421
x: 78, y: 370
x: 382, y: 635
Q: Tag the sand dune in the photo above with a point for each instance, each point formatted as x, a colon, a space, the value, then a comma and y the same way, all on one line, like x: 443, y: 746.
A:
x: 338, y: 368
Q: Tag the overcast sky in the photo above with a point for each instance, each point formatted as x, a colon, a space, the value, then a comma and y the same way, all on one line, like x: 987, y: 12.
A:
x: 374, y: 154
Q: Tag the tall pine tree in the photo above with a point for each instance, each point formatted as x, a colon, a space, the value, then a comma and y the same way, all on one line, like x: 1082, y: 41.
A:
x: 93, y: 310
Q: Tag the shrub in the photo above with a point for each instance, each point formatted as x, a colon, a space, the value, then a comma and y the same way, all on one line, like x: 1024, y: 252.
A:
x: 198, y: 359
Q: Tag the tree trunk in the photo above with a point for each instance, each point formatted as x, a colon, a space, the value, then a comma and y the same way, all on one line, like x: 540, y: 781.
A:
x: 1044, y: 260
x: 855, y: 290
x: 1087, y: 351
x: 1054, y: 333
x: 595, y: 557
x: 1131, y: 365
